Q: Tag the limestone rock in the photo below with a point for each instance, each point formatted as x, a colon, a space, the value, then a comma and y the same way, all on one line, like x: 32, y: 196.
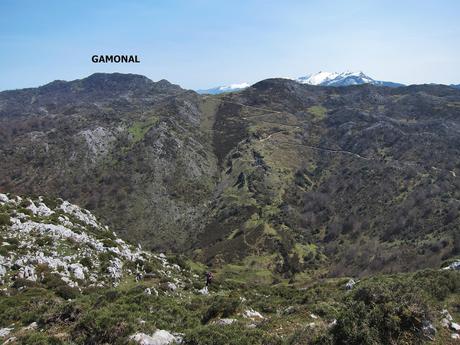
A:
x: 252, y: 314
x: 160, y: 337
x: 455, y: 326
x: 351, y: 283
x: 5, y: 331
x: 224, y: 322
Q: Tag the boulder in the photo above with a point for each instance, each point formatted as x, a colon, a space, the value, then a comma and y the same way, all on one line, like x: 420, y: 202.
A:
x: 428, y: 329
x: 204, y: 291
x: 445, y: 323
x: 160, y: 337
x: 351, y: 283
x: 453, y: 266
x: 4, y: 198
x: 5, y: 331
x: 77, y: 270
x: 289, y: 310
x: 455, y: 326
x: 172, y: 286
x: 27, y: 272
x: 32, y: 326
x: 445, y: 313
x: 333, y: 323
x: 252, y: 314
x: 224, y: 322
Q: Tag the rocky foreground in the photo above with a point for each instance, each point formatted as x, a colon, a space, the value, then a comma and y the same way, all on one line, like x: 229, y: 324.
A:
x: 66, y: 242
x: 67, y: 279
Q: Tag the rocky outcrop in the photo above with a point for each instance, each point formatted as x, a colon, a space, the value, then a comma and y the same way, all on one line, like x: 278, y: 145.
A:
x: 68, y: 241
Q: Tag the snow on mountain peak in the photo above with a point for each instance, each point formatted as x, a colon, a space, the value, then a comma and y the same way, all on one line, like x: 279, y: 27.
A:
x: 321, y: 78
x: 336, y: 79
x: 234, y: 87
x: 224, y: 88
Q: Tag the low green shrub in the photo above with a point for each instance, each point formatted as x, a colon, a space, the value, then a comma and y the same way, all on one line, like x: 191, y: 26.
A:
x: 87, y: 262
x: 228, y: 335
x: 52, y: 280
x: 221, y: 306
x: 381, y: 313
x: 37, y: 338
x: 5, y: 219
x: 67, y: 292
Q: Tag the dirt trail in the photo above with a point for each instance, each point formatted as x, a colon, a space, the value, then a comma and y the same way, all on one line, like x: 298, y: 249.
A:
x: 395, y: 164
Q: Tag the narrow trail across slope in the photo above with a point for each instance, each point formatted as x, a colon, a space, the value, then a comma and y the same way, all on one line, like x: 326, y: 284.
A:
x: 394, y: 164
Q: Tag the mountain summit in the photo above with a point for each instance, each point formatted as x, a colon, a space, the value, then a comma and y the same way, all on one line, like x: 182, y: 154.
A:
x: 225, y: 88
x: 342, y: 79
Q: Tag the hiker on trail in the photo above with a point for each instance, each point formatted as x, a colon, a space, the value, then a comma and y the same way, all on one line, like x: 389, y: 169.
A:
x: 208, y: 278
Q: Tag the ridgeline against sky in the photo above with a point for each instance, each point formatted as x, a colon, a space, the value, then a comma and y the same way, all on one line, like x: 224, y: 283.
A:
x: 201, y: 44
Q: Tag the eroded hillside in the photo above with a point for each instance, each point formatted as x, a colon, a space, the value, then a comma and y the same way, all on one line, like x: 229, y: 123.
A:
x: 280, y: 178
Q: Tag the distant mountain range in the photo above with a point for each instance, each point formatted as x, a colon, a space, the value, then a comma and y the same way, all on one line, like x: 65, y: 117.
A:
x: 320, y: 78
x: 222, y: 89
x: 343, y: 79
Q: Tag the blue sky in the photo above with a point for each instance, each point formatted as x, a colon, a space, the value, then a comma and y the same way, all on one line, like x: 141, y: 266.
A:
x: 200, y: 44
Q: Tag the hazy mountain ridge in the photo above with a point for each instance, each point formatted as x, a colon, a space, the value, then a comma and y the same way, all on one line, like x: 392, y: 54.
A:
x: 293, y: 177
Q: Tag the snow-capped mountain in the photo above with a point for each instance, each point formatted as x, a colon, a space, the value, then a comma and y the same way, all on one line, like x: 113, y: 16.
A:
x: 223, y: 89
x: 320, y: 78
x: 342, y: 79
